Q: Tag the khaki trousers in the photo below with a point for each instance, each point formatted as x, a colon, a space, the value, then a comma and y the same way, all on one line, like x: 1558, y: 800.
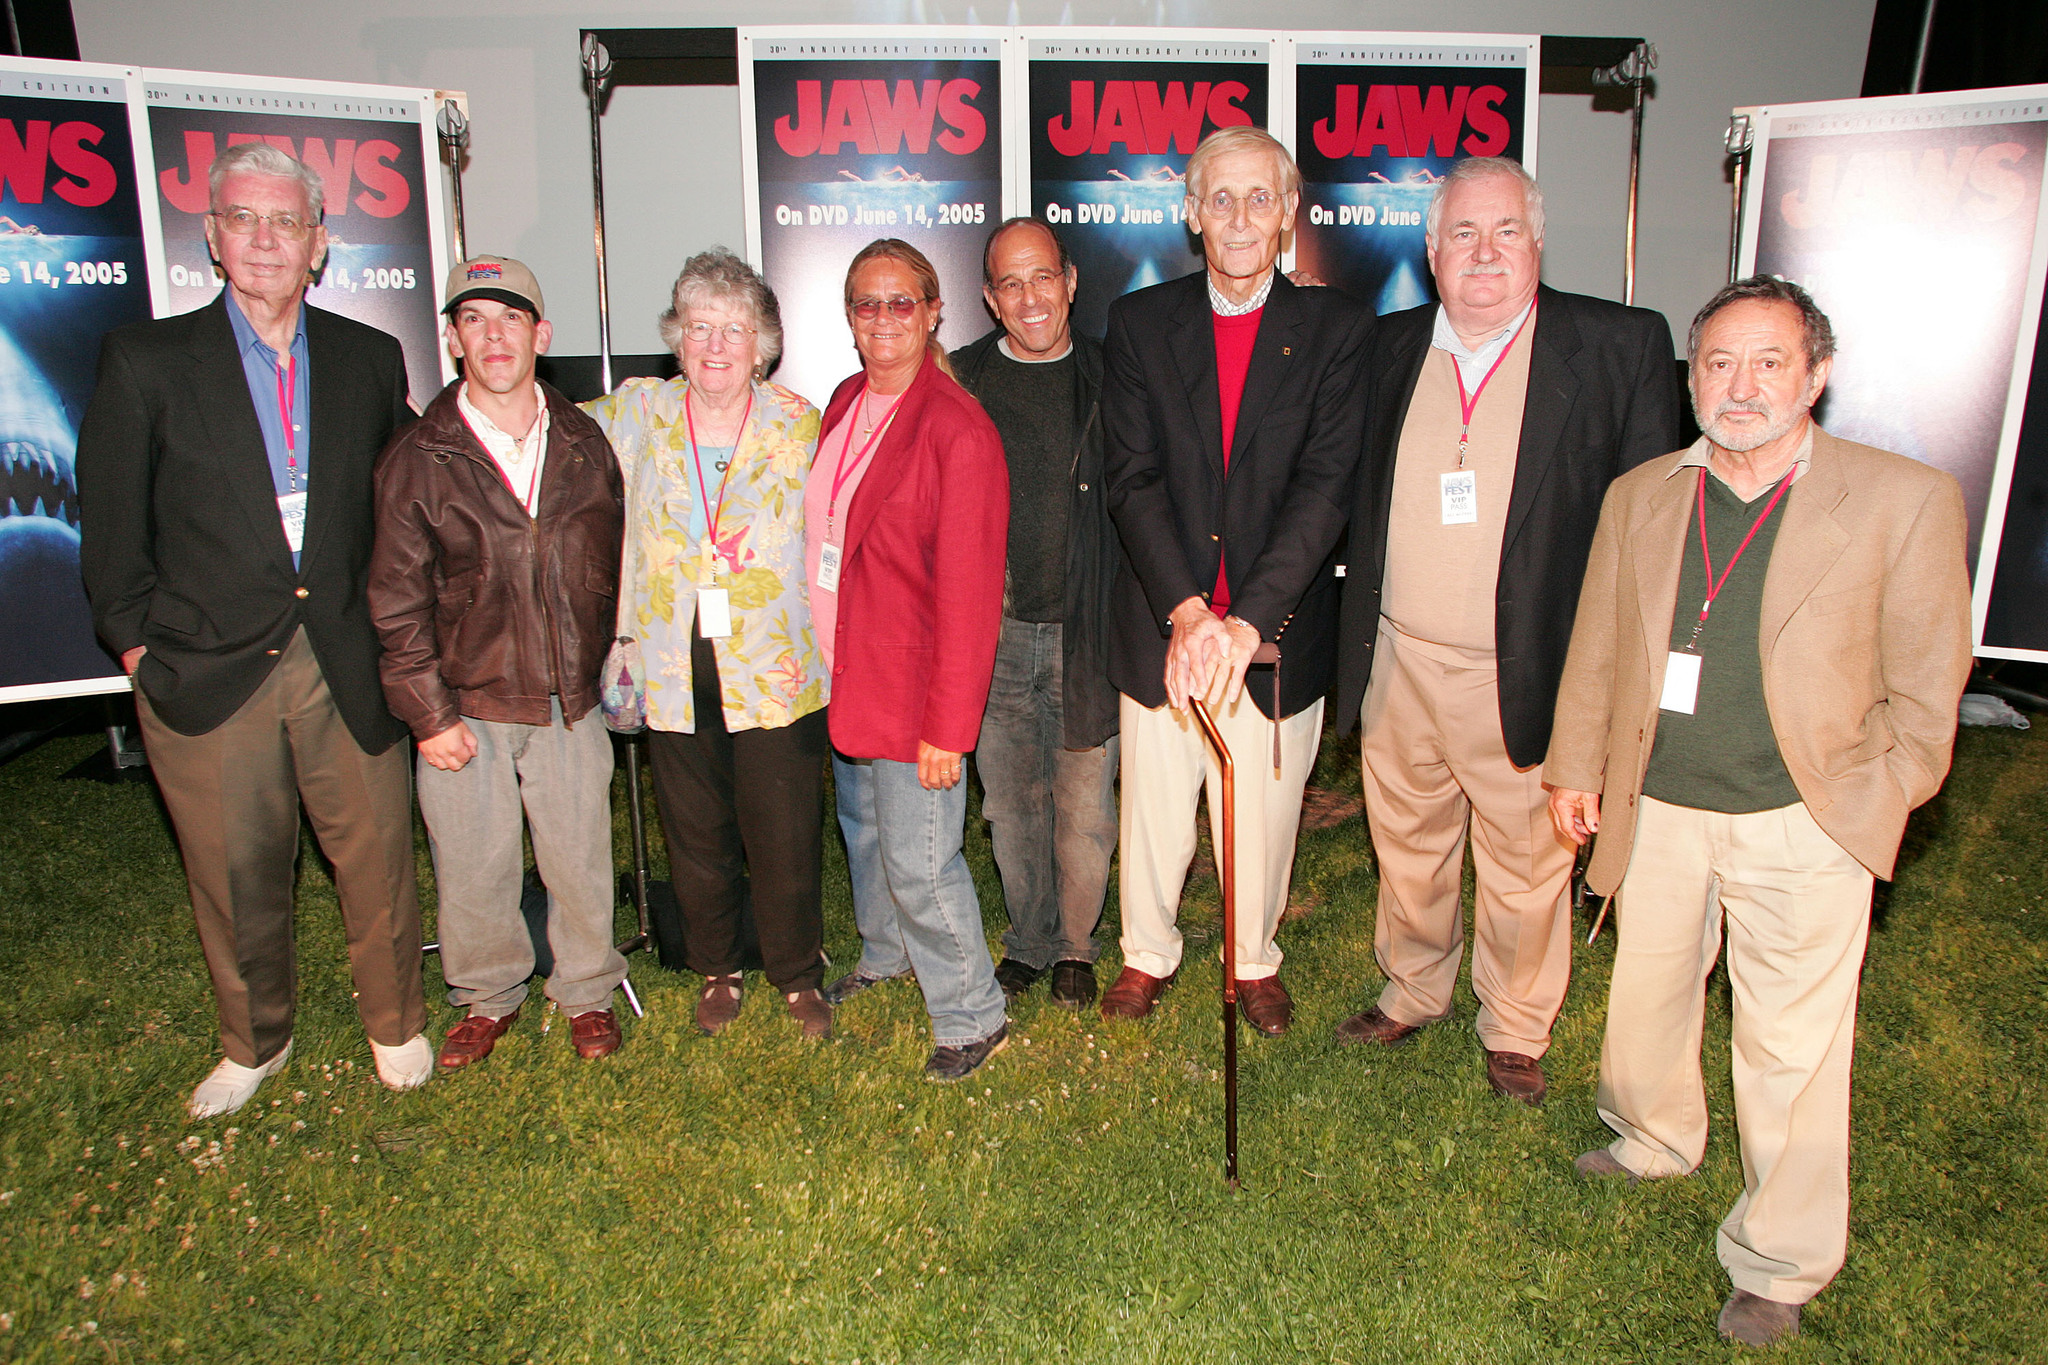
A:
x: 234, y: 795
x: 1166, y: 765
x: 1434, y: 763
x: 1797, y: 910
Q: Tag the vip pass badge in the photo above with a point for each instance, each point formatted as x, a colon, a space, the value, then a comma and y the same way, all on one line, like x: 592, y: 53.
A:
x: 831, y: 554
x: 1682, y: 666
x: 1459, y: 488
x: 291, y: 505
x: 714, y: 604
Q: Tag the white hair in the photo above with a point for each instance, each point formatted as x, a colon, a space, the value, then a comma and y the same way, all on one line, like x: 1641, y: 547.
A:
x: 260, y: 158
x: 1479, y: 168
x: 1239, y: 138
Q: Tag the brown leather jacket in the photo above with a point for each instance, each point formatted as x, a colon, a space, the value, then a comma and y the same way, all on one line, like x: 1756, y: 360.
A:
x: 483, y: 610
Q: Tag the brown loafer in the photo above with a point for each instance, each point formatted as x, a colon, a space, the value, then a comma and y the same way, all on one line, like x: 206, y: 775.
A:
x: 1757, y: 1321
x: 1516, y: 1076
x: 809, y: 1009
x: 1134, y: 994
x: 1265, y: 1005
x: 472, y: 1039
x: 718, y: 1004
x: 595, y: 1033
x: 1374, y: 1027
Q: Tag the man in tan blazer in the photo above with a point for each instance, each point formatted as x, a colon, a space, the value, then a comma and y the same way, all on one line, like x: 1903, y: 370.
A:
x: 1762, y: 682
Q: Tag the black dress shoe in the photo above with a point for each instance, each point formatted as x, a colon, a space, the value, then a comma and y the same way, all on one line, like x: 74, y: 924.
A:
x: 1073, y: 984
x: 1016, y: 977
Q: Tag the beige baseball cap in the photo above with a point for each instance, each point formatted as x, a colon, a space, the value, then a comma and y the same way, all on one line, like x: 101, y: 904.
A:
x: 494, y: 277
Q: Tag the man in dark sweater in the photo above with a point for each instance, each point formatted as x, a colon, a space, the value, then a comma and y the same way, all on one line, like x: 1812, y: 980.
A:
x: 1052, y: 717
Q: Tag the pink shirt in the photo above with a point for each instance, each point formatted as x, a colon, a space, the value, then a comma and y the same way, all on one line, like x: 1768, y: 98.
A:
x: 835, y: 449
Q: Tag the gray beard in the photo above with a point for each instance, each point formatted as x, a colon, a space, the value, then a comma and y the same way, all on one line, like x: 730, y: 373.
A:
x: 1741, y: 443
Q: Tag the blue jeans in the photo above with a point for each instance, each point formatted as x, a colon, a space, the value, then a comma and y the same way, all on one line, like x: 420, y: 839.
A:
x: 1053, y: 853
x: 913, y: 897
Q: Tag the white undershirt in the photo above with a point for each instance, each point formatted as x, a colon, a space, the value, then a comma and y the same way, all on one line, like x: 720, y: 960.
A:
x: 520, y: 458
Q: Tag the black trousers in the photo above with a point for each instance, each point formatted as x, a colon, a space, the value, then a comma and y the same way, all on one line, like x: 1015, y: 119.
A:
x: 744, y: 814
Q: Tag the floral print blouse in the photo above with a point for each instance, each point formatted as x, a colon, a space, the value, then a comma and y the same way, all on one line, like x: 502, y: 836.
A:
x: 769, y: 669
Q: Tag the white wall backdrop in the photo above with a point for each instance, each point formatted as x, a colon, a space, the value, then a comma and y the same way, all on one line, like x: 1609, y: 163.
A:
x: 672, y: 168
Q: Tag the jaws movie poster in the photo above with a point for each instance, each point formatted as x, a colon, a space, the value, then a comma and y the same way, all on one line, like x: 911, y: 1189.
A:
x: 850, y: 137
x: 374, y: 147
x: 73, y: 263
x: 1916, y: 222
x: 1113, y: 116
x: 1379, y: 119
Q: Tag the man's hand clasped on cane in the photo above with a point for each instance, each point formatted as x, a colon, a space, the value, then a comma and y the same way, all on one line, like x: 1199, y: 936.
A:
x: 1207, y: 656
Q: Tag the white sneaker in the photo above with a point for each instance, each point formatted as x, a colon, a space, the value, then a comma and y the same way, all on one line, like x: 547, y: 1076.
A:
x: 231, y: 1085
x: 406, y: 1066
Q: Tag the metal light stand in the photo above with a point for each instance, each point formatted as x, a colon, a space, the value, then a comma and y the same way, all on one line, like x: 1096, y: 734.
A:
x: 1226, y: 869
x: 1740, y: 137
x: 1633, y: 71
x: 454, y: 130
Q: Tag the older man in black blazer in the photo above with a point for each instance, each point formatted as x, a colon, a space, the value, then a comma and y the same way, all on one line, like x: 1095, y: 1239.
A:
x: 1499, y: 418
x: 224, y: 479
x: 1234, y: 408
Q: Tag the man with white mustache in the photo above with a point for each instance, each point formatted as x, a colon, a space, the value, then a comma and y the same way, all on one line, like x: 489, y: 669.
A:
x: 1763, y: 679
x: 1499, y: 417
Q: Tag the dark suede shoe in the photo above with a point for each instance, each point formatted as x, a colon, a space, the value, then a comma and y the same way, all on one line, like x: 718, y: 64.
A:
x: 1073, y: 984
x: 1757, y: 1321
x: 472, y: 1039
x: 1517, y: 1076
x: 853, y: 983
x: 718, y: 1004
x: 1016, y: 977
x: 954, y: 1063
x: 1265, y: 1005
x: 1374, y: 1027
x: 809, y: 1009
x: 595, y: 1033
x: 1133, y: 994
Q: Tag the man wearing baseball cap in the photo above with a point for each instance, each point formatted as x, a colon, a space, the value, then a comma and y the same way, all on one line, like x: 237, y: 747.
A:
x: 493, y: 585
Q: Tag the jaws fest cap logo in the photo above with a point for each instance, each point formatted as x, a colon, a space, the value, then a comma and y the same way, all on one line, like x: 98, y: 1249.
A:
x: 342, y: 163
x: 867, y: 117
x: 486, y: 270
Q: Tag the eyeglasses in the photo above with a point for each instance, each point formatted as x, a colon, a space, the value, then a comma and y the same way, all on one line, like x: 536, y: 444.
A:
x: 735, y: 333
x: 902, y: 305
x: 1223, y: 203
x: 242, y: 222
x: 1011, y: 287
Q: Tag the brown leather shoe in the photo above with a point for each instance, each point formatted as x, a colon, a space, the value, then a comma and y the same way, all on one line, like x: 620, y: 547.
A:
x: 1516, y: 1076
x: 472, y: 1039
x: 1265, y: 1005
x: 1374, y: 1027
x: 809, y: 1009
x: 718, y: 1004
x: 595, y: 1033
x: 1134, y: 994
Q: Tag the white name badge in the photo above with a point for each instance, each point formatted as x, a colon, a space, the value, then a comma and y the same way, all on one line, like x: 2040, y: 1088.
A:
x: 1461, y: 497
x: 714, y: 613
x: 828, y: 567
x: 1681, y: 682
x: 291, y: 508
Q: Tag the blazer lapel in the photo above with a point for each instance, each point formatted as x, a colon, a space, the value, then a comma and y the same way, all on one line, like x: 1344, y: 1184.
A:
x: 1656, y: 540
x: 1553, y: 389
x: 329, y: 382
x: 1809, y: 542
x: 1272, y: 354
x: 1193, y: 346
x: 891, y: 457
x: 229, y: 412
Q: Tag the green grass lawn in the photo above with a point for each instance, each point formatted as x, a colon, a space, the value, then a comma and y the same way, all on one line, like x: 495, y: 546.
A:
x: 753, y: 1199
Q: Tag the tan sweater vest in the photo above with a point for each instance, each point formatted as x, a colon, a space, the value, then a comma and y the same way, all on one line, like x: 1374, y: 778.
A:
x: 1440, y: 580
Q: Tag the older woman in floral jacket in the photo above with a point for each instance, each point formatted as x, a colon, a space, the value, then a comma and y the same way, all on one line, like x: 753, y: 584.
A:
x: 713, y: 587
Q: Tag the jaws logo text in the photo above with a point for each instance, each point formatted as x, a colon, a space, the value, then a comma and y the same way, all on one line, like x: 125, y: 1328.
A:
x: 1407, y: 122
x: 1146, y: 118
x: 27, y: 149
x: 385, y: 191
x: 865, y: 115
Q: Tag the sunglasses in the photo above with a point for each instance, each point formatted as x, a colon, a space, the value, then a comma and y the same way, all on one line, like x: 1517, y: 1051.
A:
x: 902, y: 305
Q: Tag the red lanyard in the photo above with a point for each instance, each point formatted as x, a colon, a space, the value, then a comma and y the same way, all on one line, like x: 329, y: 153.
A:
x: 690, y: 423
x: 1714, y: 585
x: 845, y: 470
x: 1467, y: 405
x: 285, y: 393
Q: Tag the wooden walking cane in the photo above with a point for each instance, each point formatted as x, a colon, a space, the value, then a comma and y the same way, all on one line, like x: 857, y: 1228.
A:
x: 1226, y: 872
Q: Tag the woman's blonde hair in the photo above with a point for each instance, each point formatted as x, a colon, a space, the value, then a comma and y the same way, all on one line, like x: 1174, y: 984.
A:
x: 920, y: 268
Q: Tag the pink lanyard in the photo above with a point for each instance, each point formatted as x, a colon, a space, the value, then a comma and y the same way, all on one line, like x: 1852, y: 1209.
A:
x: 1469, y: 405
x: 1714, y: 585
x: 846, y: 471
x: 690, y: 423
x: 284, y: 414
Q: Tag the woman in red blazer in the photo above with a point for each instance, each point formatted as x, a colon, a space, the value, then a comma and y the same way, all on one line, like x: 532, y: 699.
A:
x: 906, y: 527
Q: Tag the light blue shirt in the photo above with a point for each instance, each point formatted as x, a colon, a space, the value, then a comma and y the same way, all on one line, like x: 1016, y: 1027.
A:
x: 1475, y: 361
x: 260, y: 366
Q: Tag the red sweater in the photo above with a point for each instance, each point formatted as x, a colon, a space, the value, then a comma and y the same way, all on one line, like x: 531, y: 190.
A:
x: 1234, y: 339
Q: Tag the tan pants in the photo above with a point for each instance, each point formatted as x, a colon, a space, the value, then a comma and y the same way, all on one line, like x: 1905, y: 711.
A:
x: 234, y: 794
x: 1797, y: 909
x: 1434, y: 763
x: 1166, y: 764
